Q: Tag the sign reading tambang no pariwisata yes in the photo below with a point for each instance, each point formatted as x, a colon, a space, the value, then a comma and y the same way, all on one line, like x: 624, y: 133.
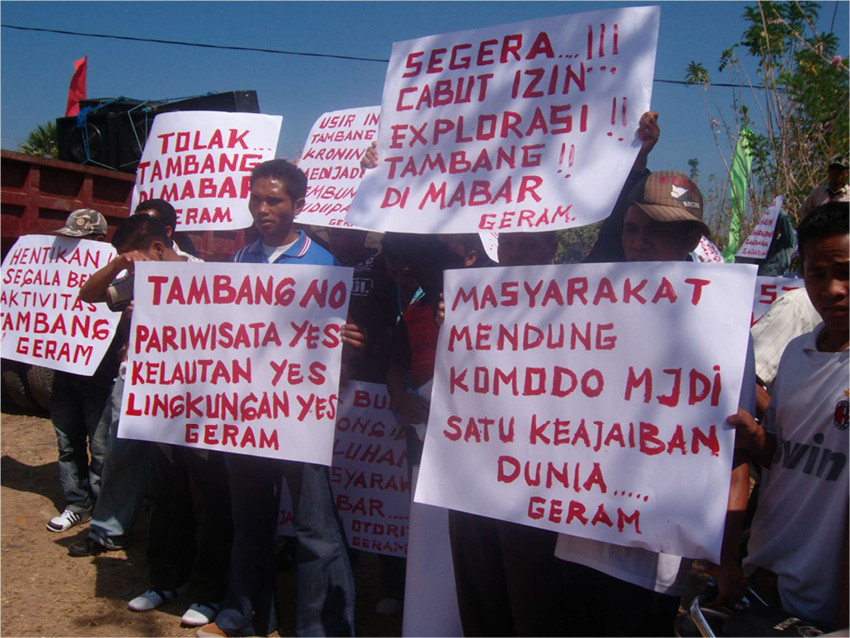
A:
x: 43, y: 321
x: 236, y: 357
x: 529, y: 126
x: 591, y: 400
x: 201, y: 162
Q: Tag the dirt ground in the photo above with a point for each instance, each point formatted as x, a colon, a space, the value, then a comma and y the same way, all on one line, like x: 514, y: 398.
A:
x: 45, y: 592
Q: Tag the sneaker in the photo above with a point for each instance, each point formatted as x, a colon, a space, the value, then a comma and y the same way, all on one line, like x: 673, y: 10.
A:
x: 153, y: 598
x: 66, y: 520
x: 210, y: 631
x: 200, y: 614
x: 389, y: 607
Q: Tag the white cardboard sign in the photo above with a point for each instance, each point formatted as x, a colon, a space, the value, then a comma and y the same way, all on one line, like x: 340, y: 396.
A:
x: 201, y: 162
x: 43, y: 322
x: 591, y: 400
x: 369, y: 474
x: 331, y: 161
x: 521, y: 127
x: 757, y: 244
x: 239, y: 358
x: 768, y: 290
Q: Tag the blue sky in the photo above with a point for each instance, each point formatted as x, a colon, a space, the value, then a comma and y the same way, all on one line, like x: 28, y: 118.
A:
x: 36, y: 67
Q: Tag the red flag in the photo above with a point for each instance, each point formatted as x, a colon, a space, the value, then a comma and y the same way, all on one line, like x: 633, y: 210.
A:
x: 77, y: 90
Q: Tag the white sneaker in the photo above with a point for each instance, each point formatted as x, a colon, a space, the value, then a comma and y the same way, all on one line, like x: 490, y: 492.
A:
x: 66, y: 520
x: 153, y: 598
x: 200, y: 614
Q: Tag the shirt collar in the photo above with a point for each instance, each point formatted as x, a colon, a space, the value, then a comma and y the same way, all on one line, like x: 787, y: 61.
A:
x: 298, y: 249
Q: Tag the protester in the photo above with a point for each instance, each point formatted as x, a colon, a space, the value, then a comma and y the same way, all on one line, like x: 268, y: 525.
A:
x: 165, y: 213
x: 788, y: 317
x: 372, y: 306
x: 629, y: 591
x: 798, y: 545
x: 508, y: 581
x: 325, y: 582
x: 76, y: 405
x: 126, y: 467
x: 835, y: 190
x: 371, y: 303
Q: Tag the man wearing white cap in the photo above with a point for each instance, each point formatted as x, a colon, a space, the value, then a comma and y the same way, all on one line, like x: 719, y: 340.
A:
x: 76, y: 405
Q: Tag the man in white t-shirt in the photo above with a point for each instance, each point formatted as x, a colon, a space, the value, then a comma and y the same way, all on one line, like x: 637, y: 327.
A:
x: 799, y: 537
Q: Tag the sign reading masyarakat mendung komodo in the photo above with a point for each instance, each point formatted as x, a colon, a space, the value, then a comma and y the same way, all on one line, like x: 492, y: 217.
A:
x: 522, y: 127
x: 591, y: 400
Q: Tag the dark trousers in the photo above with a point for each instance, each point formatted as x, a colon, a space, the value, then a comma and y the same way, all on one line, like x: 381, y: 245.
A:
x: 190, y: 531
x: 597, y: 604
x: 509, y: 582
x: 324, y: 579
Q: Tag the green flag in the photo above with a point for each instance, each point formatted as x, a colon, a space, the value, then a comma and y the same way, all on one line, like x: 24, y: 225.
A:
x: 741, y: 163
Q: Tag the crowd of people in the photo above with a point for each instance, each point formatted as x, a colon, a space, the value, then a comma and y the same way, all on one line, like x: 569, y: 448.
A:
x: 214, y: 516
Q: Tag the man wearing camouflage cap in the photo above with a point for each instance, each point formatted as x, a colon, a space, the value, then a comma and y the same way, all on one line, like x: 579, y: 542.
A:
x: 76, y: 405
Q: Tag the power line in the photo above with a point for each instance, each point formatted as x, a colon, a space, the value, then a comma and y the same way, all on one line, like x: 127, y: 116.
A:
x: 196, y: 44
x: 204, y: 45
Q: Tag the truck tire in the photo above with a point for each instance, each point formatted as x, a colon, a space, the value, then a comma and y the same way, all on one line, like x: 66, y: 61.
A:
x: 15, y: 386
x: 40, y: 382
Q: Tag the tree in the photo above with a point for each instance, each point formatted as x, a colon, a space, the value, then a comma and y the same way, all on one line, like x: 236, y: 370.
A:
x: 42, y: 141
x: 796, y: 109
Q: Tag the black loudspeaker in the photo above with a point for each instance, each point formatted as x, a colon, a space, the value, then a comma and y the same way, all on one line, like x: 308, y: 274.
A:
x: 113, y: 132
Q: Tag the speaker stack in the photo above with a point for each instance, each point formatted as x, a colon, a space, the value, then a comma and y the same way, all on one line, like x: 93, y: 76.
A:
x: 111, y: 132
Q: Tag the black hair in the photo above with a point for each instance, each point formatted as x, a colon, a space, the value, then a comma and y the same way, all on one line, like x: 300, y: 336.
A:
x: 425, y: 255
x: 138, y: 232
x: 164, y: 211
x: 288, y: 173
x: 827, y: 220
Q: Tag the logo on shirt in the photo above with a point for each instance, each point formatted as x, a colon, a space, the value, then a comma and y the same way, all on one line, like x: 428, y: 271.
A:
x: 842, y: 412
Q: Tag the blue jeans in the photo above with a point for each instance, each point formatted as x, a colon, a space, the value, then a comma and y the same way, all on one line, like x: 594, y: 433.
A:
x: 124, y: 479
x: 76, y: 407
x: 324, y: 579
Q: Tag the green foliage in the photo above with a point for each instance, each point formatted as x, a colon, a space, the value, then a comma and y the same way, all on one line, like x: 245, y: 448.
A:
x: 796, y: 107
x: 693, y: 173
x: 575, y: 243
x: 42, y: 141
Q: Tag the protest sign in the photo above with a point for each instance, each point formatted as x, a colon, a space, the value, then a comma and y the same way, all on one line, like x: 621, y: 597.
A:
x: 758, y: 243
x: 591, y: 400
x: 707, y: 252
x: 768, y: 290
x: 44, y: 323
x: 369, y: 474
x: 522, y: 127
x: 201, y: 162
x: 331, y: 161
x: 236, y: 357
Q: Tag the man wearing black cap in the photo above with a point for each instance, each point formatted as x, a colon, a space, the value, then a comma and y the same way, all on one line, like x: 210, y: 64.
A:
x: 835, y: 190
x: 76, y: 405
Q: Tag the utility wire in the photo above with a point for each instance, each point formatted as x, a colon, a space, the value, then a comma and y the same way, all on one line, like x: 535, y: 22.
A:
x: 276, y: 51
x: 196, y: 44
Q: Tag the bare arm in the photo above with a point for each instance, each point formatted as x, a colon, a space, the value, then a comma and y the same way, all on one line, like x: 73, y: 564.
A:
x: 648, y: 134
x: 731, y: 580
x: 752, y: 437
x: 94, y: 288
